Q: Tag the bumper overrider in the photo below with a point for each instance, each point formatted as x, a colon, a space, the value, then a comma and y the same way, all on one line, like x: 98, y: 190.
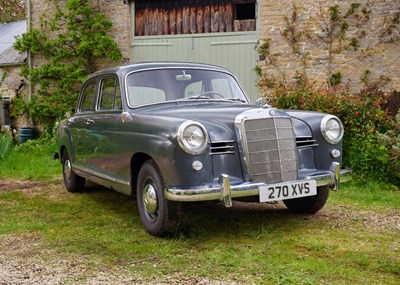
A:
x: 225, y: 191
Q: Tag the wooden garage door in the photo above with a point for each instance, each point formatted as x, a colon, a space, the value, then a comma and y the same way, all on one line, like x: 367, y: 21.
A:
x: 211, y: 32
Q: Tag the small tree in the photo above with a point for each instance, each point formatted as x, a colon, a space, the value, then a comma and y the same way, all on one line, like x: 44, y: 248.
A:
x: 71, y: 43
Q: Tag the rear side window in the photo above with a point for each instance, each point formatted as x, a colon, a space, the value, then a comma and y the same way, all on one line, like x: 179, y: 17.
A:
x: 88, y: 98
x: 110, y: 94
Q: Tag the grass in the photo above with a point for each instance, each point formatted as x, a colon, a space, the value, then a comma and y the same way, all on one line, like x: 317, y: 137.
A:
x: 266, y: 246
x: 5, y: 145
x: 31, y: 160
x: 353, y: 240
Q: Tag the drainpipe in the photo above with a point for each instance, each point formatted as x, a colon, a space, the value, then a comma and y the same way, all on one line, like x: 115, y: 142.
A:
x: 29, y: 55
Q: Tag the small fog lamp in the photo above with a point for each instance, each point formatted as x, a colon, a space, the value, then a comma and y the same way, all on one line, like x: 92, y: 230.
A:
x: 197, y: 165
x: 335, y: 153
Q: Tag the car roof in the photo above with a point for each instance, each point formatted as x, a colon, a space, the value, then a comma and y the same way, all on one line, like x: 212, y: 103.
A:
x: 124, y: 69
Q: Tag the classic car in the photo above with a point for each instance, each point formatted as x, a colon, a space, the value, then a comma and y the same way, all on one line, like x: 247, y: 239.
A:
x: 172, y: 132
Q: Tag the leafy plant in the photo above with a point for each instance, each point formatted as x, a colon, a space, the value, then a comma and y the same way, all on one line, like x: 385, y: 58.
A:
x: 5, y: 145
x: 72, y: 42
x: 392, y: 139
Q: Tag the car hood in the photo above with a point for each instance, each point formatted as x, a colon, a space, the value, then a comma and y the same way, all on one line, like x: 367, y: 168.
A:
x: 218, y: 118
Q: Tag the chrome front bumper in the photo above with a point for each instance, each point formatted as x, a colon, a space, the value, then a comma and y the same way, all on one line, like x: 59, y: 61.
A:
x: 225, y: 192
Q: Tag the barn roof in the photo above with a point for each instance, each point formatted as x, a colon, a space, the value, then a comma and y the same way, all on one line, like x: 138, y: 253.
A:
x: 8, y: 32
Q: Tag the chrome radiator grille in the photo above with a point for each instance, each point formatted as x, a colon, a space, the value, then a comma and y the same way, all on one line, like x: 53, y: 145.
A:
x: 270, y: 149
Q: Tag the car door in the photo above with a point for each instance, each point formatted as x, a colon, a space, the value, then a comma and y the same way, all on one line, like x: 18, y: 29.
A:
x: 101, y: 127
x: 79, y: 125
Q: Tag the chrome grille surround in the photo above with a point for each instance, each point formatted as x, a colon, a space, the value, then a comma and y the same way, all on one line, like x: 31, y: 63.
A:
x: 267, y: 145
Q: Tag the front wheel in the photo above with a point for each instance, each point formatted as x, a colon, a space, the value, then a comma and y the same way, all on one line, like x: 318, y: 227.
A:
x: 158, y: 215
x: 311, y: 204
x: 72, y: 181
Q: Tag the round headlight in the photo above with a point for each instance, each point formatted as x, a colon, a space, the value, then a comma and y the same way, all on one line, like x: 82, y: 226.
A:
x: 332, y: 129
x: 192, y: 137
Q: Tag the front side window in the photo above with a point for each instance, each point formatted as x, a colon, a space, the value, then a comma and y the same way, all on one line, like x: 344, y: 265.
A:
x: 157, y: 86
x: 88, y: 97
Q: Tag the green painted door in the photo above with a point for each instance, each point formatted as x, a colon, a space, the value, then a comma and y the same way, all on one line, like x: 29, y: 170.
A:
x: 234, y: 51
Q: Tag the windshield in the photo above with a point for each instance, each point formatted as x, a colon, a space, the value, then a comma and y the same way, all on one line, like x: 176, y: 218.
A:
x: 155, y: 86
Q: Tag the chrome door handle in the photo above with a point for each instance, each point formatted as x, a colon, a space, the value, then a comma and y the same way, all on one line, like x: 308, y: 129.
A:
x: 89, y: 121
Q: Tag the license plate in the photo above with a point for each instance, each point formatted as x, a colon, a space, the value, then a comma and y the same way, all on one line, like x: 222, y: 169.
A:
x: 289, y: 190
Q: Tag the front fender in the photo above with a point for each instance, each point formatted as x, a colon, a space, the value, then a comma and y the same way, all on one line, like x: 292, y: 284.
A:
x: 159, y: 142
x: 322, y: 153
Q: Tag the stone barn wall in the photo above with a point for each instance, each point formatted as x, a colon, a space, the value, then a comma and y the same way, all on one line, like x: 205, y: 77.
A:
x: 376, y: 53
x: 381, y: 57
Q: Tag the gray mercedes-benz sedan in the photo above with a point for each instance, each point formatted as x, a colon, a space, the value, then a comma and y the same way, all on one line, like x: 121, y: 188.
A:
x: 171, y: 133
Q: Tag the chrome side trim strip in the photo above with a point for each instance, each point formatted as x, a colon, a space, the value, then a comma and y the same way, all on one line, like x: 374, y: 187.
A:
x: 86, y: 170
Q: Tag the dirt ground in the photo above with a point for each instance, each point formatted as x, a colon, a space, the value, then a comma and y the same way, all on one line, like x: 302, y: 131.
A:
x: 23, y: 260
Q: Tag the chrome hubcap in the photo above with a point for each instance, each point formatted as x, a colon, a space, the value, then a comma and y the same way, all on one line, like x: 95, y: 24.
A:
x: 67, y: 170
x: 150, y: 202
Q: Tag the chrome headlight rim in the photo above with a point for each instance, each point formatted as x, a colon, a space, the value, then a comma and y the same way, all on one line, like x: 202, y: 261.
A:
x: 325, y: 131
x: 183, y: 143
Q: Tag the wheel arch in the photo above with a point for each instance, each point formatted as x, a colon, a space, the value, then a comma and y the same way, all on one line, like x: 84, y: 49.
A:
x: 62, y: 149
x: 137, y: 161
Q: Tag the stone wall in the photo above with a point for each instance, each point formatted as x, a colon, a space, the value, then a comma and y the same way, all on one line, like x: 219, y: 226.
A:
x: 14, y: 85
x: 118, y: 13
x: 376, y: 54
x: 381, y: 59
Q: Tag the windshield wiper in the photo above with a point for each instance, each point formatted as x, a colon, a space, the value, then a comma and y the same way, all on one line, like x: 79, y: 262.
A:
x: 237, y: 99
x: 194, y: 97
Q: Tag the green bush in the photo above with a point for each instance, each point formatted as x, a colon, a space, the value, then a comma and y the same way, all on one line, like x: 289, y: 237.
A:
x: 392, y: 140
x: 366, y: 124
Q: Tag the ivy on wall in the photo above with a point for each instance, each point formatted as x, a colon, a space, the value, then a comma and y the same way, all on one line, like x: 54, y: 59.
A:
x: 342, y: 34
x: 70, y: 43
